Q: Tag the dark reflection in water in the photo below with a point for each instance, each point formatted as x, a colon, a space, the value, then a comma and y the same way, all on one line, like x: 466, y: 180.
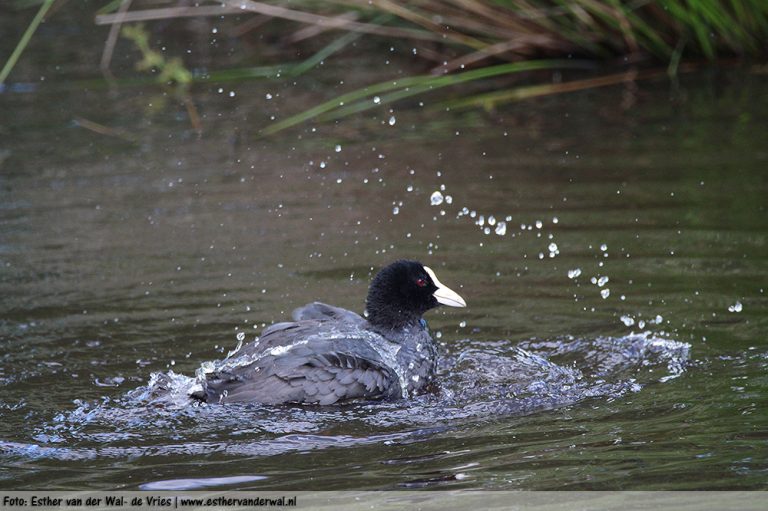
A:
x: 613, y: 262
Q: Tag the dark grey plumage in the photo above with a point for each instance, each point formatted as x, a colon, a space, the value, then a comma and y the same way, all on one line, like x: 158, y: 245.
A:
x: 331, y: 355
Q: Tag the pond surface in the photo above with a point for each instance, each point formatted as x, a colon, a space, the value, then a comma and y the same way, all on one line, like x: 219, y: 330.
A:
x: 612, y: 246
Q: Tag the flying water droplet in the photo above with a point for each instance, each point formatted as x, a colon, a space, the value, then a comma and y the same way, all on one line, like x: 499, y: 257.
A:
x: 602, y: 281
x: 436, y: 198
x: 736, y: 307
x: 501, y: 228
x: 392, y: 120
x: 605, y: 293
x: 572, y: 274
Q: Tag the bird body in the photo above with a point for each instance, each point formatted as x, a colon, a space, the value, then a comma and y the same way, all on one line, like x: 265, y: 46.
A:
x: 330, y: 355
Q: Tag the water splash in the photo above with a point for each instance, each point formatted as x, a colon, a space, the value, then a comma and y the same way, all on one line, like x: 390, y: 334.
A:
x: 485, y: 379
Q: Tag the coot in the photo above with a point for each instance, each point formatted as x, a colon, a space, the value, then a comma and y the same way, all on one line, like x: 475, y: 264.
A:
x: 331, y: 355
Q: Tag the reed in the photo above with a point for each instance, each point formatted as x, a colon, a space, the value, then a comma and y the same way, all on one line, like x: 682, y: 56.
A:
x: 472, y: 40
x: 478, y: 30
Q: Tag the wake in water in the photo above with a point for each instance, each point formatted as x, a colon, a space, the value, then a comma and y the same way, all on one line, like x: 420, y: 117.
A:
x: 496, y: 379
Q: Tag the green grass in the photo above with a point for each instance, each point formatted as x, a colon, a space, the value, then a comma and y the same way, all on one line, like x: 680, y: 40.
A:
x: 474, y: 41
x: 24, y: 41
x: 395, y: 90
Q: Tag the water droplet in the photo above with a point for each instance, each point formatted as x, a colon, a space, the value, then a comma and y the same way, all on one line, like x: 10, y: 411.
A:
x: 602, y: 281
x: 572, y: 274
x: 605, y: 293
x: 555, y: 220
x: 539, y: 224
x: 552, y: 247
x: 409, y: 188
x: 641, y: 324
x: 376, y: 100
x: 448, y: 199
x: 395, y: 210
x: 337, y: 148
x: 268, y: 96
x: 322, y: 164
x: 736, y: 307
x: 627, y: 320
x: 501, y: 228
x: 491, y: 220
x: 463, y: 324
x: 436, y: 198
x: 240, y: 336
x: 603, y: 247
x: 392, y: 121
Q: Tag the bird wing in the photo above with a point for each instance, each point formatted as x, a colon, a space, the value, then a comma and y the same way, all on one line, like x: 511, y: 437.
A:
x: 321, y: 372
x: 323, y: 311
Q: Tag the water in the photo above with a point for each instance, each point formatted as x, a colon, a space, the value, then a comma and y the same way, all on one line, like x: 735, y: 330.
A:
x: 613, y: 262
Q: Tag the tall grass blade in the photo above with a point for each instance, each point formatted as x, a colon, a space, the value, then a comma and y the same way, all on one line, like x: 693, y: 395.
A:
x: 24, y: 41
x: 362, y: 99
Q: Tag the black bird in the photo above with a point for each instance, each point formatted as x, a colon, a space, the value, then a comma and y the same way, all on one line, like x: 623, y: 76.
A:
x: 331, y: 355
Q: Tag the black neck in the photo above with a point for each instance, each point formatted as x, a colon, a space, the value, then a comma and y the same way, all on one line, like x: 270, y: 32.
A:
x: 391, y: 318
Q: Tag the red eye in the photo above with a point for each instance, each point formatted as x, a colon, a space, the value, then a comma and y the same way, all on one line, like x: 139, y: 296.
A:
x: 421, y: 282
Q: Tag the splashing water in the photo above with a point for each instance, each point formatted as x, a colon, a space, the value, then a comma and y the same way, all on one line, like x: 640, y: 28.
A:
x: 572, y: 274
x: 436, y: 198
x: 493, y: 379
